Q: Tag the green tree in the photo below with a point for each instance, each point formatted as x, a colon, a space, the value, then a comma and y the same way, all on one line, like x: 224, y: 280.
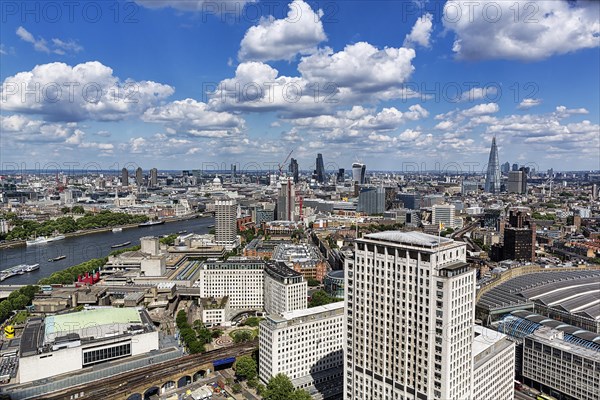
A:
x: 236, y: 388
x: 279, y: 387
x: 313, y: 282
x: 320, y: 298
x: 245, y: 367
x: 300, y: 394
x: 19, y: 302
x: 252, y: 321
x: 241, y: 336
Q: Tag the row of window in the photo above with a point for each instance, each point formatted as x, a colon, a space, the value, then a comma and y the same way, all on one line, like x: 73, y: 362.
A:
x: 100, y: 355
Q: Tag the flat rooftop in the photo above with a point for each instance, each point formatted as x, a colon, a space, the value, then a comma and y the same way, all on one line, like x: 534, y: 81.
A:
x: 90, y: 323
x: 410, y: 238
x: 313, y: 312
x: 486, y: 339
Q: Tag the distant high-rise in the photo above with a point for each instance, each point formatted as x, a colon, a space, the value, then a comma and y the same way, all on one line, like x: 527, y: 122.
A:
x: 519, y: 238
x: 517, y: 182
x: 371, y: 200
x: 233, y: 170
x: 411, y: 201
x: 505, y: 168
x: 139, y: 176
x: 153, y: 177
x: 124, y: 177
x: 515, y: 167
x: 340, y: 175
x: 225, y: 223
x: 294, y: 169
x: 358, y: 173
x: 492, y: 177
x: 286, y: 200
x: 320, y: 169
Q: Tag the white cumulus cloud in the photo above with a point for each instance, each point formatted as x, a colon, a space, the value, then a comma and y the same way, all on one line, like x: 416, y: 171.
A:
x: 283, y: 39
x: 522, y: 30
x: 421, y: 32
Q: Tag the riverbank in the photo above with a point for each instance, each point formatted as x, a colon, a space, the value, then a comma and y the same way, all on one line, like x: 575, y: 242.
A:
x: 20, y: 243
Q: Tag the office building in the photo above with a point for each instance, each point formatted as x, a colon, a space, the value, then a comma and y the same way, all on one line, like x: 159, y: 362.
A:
x: 139, y: 176
x: 358, y: 173
x: 64, y: 343
x: 124, y: 177
x: 515, y: 167
x: 562, y: 368
x: 493, y: 365
x: 262, y: 215
x: 153, y: 177
x: 286, y: 200
x: 410, y: 300
x: 371, y: 200
x: 241, y: 281
x: 492, y: 177
x: 411, y: 201
x: 516, y: 182
x: 340, y: 175
x: 443, y: 214
x: 519, y: 238
x: 225, y: 224
x: 294, y: 170
x: 305, y: 345
x: 285, y: 289
x: 320, y: 169
x: 505, y: 168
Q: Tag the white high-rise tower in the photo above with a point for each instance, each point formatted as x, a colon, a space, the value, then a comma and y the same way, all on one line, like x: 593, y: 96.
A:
x: 225, y: 223
x: 410, y: 308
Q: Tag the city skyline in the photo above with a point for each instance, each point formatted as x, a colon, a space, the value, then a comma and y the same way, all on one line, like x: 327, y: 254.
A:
x: 425, y: 91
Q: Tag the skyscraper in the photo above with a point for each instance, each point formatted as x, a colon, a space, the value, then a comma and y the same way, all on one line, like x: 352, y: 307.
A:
x: 139, y: 176
x: 410, y: 300
x: 340, y: 175
x: 371, y: 200
x: 505, y: 168
x: 294, y: 169
x: 492, y: 177
x: 124, y: 177
x: 515, y: 167
x: 286, y: 200
x: 153, y: 177
x: 225, y: 223
x: 320, y: 169
x: 517, y: 181
x: 358, y: 173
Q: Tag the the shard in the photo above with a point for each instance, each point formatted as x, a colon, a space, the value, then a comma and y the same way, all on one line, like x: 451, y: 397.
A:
x: 492, y: 177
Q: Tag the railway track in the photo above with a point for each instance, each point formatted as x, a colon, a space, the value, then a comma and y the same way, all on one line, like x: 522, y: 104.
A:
x: 153, y: 375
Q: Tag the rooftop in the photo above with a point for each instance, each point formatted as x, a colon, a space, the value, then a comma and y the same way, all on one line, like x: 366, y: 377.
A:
x: 410, y: 238
x: 571, y: 291
x: 314, y: 312
x: 486, y: 339
x: 87, y: 323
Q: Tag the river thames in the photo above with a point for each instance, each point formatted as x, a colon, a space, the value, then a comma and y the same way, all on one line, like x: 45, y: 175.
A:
x: 78, y: 249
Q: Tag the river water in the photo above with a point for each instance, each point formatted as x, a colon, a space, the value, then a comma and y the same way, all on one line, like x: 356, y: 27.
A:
x: 82, y: 248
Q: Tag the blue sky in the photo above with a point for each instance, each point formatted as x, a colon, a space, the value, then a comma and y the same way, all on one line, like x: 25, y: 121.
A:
x: 195, y: 83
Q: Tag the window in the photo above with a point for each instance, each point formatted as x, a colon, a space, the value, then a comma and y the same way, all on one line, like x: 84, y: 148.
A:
x: 100, y: 355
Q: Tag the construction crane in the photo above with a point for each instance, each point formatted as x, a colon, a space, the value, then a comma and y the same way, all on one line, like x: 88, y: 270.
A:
x: 283, y: 163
